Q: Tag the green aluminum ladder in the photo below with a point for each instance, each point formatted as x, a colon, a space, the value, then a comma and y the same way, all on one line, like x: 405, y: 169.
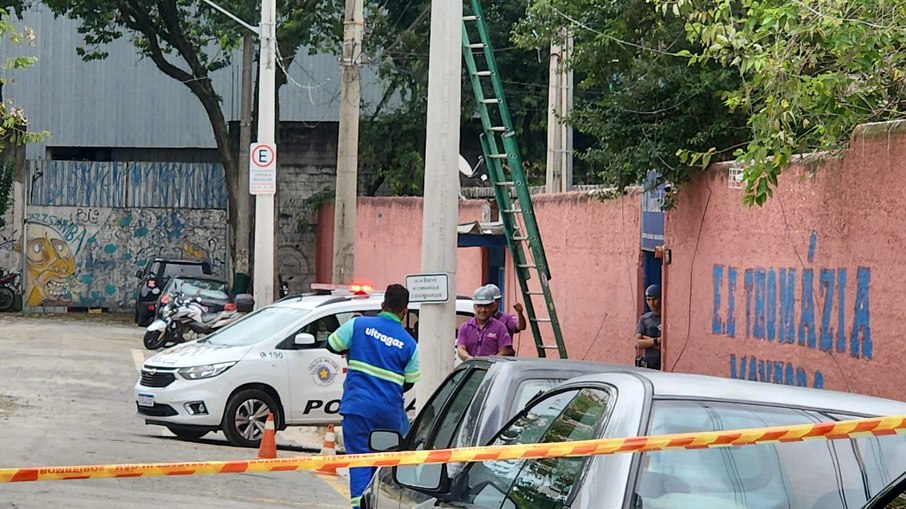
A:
x: 518, y: 216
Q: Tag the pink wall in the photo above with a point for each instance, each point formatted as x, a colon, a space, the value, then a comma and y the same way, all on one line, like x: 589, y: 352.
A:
x: 592, y: 247
x: 837, y: 235
x: 389, y: 243
x: 780, y: 293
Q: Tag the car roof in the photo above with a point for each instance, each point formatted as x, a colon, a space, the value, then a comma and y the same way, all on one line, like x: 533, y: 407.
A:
x: 178, y: 261
x: 200, y: 277
x: 703, y: 387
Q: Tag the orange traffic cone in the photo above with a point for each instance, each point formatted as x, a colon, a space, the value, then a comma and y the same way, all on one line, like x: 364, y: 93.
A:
x: 328, y: 449
x: 268, y: 448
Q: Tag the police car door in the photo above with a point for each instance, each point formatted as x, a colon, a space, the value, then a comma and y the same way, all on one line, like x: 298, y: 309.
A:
x: 316, y: 375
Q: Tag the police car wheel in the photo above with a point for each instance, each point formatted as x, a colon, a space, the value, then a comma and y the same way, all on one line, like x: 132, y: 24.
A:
x: 246, y: 415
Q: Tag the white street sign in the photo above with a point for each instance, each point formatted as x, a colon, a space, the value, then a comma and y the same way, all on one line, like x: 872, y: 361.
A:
x: 262, y: 169
x: 428, y: 287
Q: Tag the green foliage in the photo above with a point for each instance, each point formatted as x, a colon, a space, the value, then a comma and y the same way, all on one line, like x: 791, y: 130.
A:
x: 812, y: 70
x: 392, y: 141
x: 311, y: 205
x: 637, y: 98
x: 13, y: 123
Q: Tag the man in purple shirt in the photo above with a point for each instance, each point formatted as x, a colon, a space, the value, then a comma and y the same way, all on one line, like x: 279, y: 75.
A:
x: 483, y: 335
x: 513, y: 323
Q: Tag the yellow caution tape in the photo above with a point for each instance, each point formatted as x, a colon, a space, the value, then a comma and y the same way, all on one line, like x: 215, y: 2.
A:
x: 823, y: 431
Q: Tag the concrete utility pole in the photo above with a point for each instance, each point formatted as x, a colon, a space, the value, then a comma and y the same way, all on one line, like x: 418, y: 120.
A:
x: 348, y: 146
x: 244, y: 207
x: 559, y: 133
x: 264, y: 202
x: 441, y: 201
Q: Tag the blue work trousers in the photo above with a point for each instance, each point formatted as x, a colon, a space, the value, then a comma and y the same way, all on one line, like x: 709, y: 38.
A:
x: 356, y: 429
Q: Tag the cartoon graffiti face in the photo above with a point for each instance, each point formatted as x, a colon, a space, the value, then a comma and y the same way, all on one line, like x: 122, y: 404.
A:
x: 51, y: 266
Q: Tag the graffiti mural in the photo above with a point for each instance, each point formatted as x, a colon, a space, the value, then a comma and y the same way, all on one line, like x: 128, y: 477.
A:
x: 87, y: 257
x: 50, y: 267
x: 816, y: 308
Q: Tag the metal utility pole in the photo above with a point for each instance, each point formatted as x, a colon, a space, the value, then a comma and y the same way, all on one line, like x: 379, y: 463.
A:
x: 441, y: 200
x: 266, y: 163
x: 244, y: 207
x: 348, y: 146
x: 559, y: 133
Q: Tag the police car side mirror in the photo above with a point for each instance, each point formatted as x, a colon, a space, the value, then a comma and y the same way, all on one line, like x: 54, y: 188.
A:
x: 304, y: 339
x: 382, y: 440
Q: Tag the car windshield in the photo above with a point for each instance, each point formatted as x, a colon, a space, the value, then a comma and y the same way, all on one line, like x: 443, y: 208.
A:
x: 182, y: 269
x: 258, y: 326
x: 199, y: 288
x: 813, y: 474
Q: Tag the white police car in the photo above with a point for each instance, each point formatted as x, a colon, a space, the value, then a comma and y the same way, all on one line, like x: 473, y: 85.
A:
x: 273, y: 360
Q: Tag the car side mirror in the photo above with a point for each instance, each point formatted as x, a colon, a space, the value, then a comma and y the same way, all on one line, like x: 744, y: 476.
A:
x: 138, y: 273
x: 304, y: 338
x: 431, y: 478
x: 382, y: 440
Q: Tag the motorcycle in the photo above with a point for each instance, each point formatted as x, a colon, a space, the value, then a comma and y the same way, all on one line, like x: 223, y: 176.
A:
x: 184, y: 319
x: 284, y: 285
x: 9, y: 288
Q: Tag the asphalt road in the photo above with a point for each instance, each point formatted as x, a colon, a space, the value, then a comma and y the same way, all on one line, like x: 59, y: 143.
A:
x: 66, y: 399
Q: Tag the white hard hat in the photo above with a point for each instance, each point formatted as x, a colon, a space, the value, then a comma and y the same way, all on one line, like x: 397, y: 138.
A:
x: 483, y: 295
x: 494, y: 290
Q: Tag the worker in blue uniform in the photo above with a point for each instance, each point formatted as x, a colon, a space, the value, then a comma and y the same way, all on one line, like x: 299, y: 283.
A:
x: 383, y: 364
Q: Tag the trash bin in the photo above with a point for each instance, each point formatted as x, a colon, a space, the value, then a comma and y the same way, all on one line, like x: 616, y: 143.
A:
x: 241, y: 282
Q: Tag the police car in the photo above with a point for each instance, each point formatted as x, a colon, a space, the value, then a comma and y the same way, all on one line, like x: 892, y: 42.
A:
x: 273, y: 360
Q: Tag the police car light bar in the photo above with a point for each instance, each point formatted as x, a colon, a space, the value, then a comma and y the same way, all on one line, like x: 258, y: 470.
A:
x: 355, y: 289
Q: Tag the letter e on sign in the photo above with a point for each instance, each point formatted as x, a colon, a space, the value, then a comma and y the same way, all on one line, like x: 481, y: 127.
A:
x: 262, y: 168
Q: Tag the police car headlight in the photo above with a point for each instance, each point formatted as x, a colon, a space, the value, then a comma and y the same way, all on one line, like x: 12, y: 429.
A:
x: 207, y: 371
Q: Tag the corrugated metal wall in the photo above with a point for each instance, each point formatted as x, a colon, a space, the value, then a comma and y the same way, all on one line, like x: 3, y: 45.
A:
x: 125, y: 101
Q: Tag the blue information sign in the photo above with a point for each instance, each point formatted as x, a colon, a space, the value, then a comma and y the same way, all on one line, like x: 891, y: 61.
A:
x: 652, y: 222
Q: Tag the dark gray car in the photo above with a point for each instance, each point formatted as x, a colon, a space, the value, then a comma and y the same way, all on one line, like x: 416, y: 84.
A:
x: 478, y: 397
x: 813, y: 474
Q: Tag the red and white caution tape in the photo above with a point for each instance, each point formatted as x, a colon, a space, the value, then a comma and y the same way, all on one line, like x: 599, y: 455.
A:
x: 823, y: 431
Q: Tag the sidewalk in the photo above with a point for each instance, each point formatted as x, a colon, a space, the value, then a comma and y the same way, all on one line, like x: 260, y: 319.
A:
x: 309, y: 438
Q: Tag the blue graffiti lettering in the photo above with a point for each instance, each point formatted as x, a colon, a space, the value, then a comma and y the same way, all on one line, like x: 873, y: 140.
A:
x: 862, y: 320
x: 777, y: 372
x: 787, y: 312
x: 731, y: 302
x: 771, y: 305
x: 807, y: 313
x: 841, y: 310
x: 716, y: 325
x: 748, y: 287
x: 826, y: 292
x: 758, y: 327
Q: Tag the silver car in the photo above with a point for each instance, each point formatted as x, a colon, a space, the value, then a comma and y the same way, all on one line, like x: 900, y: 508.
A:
x: 815, y: 474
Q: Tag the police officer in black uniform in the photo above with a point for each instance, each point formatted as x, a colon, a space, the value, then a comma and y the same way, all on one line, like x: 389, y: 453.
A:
x: 648, y: 331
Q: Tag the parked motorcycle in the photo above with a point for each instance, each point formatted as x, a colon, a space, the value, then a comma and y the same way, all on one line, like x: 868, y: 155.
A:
x: 9, y: 288
x: 184, y: 319
x: 284, y: 285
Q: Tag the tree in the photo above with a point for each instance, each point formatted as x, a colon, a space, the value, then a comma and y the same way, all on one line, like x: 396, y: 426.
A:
x: 812, y: 70
x: 13, y: 123
x: 392, y: 141
x: 637, y: 98
x: 188, y: 41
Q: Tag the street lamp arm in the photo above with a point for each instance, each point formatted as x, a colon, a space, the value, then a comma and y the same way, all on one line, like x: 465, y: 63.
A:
x: 233, y: 17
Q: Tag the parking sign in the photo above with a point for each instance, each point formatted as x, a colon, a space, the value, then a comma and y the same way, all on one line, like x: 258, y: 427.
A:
x: 262, y: 168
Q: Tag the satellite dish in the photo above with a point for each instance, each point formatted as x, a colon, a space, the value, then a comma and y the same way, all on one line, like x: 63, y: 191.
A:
x: 464, y: 167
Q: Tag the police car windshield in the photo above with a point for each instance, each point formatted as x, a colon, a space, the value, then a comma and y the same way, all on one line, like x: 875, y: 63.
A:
x: 260, y: 325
